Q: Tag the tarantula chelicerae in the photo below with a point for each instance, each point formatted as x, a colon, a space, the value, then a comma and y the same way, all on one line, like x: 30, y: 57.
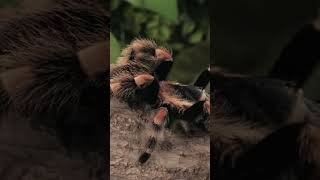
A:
x: 264, y: 128
x: 139, y: 79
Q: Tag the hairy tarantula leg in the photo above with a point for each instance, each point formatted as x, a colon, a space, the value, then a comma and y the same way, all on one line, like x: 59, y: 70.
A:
x: 193, y: 112
x: 299, y: 58
x: 148, y: 88
x: 163, y: 69
x: 157, y: 125
x: 203, y: 79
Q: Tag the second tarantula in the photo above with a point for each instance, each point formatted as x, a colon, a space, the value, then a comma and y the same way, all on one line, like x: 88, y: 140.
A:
x: 139, y: 79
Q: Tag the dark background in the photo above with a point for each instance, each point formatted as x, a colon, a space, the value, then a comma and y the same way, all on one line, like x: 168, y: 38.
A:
x: 248, y: 35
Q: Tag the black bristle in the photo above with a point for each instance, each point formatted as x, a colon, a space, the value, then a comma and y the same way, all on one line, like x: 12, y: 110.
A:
x: 193, y: 112
x: 163, y: 70
x: 74, y: 23
x: 203, y: 80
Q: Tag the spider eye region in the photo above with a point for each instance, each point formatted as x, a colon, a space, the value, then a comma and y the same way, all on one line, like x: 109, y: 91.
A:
x: 132, y: 55
x: 142, y: 55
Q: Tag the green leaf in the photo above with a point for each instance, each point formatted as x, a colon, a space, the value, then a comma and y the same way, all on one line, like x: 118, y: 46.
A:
x: 152, y: 24
x: 114, y: 4
x: 166, y: 8
x: 165, y: 32
x: 188, y: 27
x: 114, y: 49
x: 140, y: 17
x: 196, y: 37
x: 153, y: 33
x: 177, y: 46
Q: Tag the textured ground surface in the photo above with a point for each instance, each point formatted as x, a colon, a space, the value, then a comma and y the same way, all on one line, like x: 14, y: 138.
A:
x: 176, y: 158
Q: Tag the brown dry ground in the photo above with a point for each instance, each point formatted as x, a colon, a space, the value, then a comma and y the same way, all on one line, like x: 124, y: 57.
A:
x: 177, y: 157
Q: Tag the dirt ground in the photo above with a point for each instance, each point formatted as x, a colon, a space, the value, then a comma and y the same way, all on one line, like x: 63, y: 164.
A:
x: 176, y: 157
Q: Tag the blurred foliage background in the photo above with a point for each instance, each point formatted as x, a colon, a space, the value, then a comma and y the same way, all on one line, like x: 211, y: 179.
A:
x: 180, y: 25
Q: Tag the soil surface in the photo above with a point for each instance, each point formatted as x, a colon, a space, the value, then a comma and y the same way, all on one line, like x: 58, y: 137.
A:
x: 176, y: 157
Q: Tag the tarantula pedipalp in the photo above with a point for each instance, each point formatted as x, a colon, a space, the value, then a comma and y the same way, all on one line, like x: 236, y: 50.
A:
x: 138, y: 79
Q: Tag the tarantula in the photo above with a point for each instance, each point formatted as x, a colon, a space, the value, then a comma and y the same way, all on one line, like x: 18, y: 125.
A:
x: 139, y: 79
x: 264, y: 128
x: 50, y: 79
x: 53, y: 92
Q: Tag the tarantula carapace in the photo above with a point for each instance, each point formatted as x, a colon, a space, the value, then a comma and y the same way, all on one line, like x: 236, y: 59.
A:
x: 139, y: 79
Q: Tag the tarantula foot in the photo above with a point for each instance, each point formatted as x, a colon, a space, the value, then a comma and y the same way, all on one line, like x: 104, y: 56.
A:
x: 144, y: 157
x: 165, y: 65
x: 203, y: 79
x: 157, y: 122
x: 143, y: 80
